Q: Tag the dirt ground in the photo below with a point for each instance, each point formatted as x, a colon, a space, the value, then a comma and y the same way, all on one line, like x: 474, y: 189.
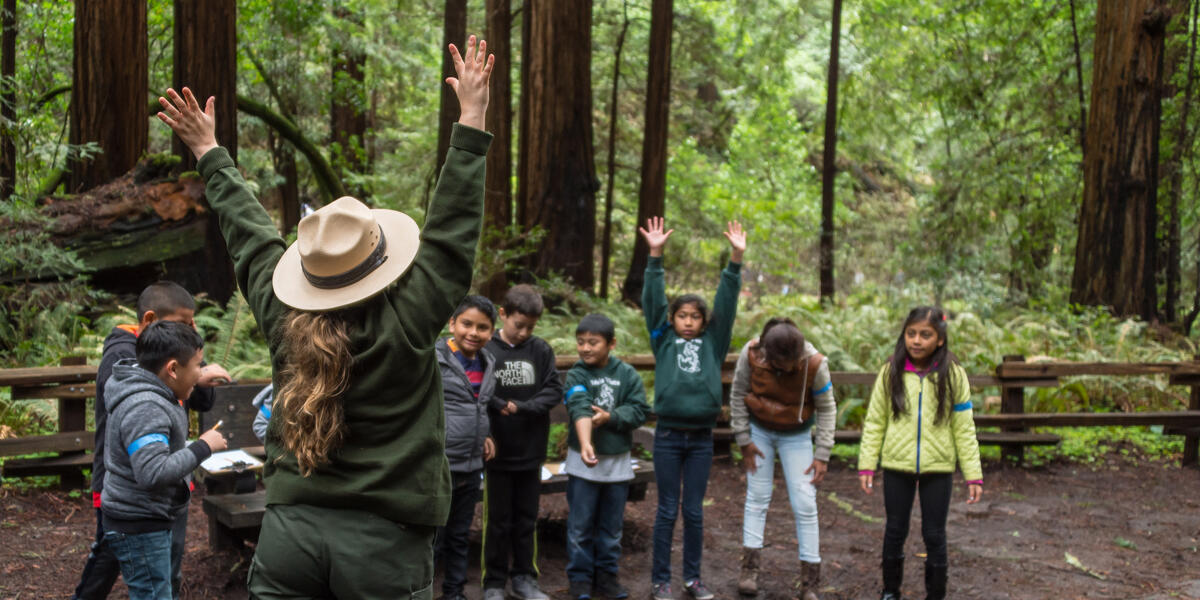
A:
x: 1133, y: 530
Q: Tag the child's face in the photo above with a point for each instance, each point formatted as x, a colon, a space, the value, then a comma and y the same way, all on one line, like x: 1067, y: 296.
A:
x: 688, y: 321
x: 593, y: 349
x: 471, y: 330
x: 518, y: 327
x: 182, y: 377
x: 921, y: 340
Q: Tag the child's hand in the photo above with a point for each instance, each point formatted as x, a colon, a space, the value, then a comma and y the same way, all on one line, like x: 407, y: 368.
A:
x: 866, y: 482
x: 817, y: 468
x: 599, y: 416
x: 509, y: 409
x: 489, y: 449
x: 749, y: 451
x: 737, y: 240
x: 213, y: 375
x: 471, y: 86
x: 216, y: 442
x: 974, y: 493
x: 197, y: 128
x: 588, y: 453
x: 654, y: 235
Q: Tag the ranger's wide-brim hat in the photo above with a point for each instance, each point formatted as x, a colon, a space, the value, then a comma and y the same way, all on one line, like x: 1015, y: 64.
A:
x: 345, y: 252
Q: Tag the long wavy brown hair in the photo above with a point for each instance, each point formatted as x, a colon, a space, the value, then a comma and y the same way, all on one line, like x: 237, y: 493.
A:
x: 315, y: 373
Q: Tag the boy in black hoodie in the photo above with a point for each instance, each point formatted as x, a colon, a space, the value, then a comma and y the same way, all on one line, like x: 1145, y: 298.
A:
x: 527, y: 384
x: 147, y: 454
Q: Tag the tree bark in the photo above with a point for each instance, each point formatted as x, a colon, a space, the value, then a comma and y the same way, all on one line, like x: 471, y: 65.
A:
x: 109, y: 89
x: 653, y: 192
x: 348, y: 102
x: 609, y: 190
x: 829, y: 166
x: 454, y: 31
x: 497, y: 199
x: 8, y: 99
x: 1116, y: 250
x: 556, y: 170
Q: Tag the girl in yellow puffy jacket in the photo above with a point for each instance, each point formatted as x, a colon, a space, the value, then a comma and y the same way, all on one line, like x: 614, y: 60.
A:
x: 919, y: 425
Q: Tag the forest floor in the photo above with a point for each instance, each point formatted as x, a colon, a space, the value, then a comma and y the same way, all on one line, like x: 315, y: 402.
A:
x: 1133, y: 529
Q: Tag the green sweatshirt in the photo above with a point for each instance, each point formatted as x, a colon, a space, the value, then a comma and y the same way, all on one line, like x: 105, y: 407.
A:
x: 687, y: 373
x: 392, y: 462
x: 618, y: 389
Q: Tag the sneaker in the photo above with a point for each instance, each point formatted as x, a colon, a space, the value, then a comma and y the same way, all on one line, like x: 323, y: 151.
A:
x: 525, y: 587
x: 609, y: 586
x: 493, y: 594
x: 580, y: 590
x: 662, y: 591
x: 697, y: 590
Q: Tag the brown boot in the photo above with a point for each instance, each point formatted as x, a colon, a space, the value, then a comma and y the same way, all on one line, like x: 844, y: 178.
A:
x: 810, y: 580
x: 748, y: 580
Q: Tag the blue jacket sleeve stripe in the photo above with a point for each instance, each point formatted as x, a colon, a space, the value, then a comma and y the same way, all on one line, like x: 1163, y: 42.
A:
x: 962, y: 406
x: 145, y: 440
x: 265, y: 410
x: 828, y: 386
x: 575, y: 390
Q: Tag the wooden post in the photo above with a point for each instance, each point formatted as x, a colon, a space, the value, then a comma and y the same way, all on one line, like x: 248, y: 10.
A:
x: 1191, y: 443
x: 1012, y: 401
x: 72, y: 416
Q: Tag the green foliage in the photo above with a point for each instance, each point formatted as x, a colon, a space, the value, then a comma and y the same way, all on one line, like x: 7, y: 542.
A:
x: 233, y: 339
x: 556, y: 444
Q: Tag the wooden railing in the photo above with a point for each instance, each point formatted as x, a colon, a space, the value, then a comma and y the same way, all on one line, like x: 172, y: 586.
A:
x: 71, y: 384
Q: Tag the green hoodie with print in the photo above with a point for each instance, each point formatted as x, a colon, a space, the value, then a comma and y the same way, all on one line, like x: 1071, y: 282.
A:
x: 618, y: 389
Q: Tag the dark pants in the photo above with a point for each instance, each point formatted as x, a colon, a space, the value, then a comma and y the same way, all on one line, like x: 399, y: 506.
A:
x: 313, y: 552
x: 145, y: 562
x: 682, y: 457
x: 511, y: 518
x: 595, y: 516
x: 898, y: 492
x: 101, y: 570
x: 452, y: 540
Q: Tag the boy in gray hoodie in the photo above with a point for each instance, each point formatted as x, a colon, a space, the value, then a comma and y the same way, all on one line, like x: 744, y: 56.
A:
x: 147, y: 454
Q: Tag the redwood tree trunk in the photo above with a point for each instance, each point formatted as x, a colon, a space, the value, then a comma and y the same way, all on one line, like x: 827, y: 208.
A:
x: 556, y: 170
x: 206, y: 62
x: 654, y: 143
x: 454, y: 31
x: 109, y: 89
x: 348, y: 105
x: 1116, y: 251
x: 829, y: 166
x: 8, y: 99
x: 497, y: 200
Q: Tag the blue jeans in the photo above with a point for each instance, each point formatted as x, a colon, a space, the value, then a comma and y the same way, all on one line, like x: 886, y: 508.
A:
x: 681, y: 457
x: 145, y: 562
x: 595, y: 516
x: 795, y: 451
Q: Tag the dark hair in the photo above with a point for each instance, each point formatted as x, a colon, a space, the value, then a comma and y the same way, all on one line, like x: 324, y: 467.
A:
x: 939, y: 362
x: 598, y: 324
x: 685, y: 300
x: 781, y: 341
x: 479, y: 303
x: 164, y: 298
x: 523, y: 299
x: 164, y: 340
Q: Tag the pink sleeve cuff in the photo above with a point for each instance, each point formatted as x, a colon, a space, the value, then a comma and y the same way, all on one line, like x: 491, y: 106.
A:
x: 975, y: 482
x: 871, y: 473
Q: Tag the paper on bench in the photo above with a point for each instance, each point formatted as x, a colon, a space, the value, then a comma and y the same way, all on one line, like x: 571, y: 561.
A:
x: 224, y: 461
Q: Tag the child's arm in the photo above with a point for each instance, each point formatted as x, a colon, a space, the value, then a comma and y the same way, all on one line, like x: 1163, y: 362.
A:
x: 583, y: 429
x: 739, y: 415
x: 579, y: 411
x: 720, y: 329
x: 551, y: 391
x: 654, y: 293
x: 826, y: 412
x: 874, y: 426
x: 629, y: 413
x: 962, y: 422
x: 145, y: 432
x: 263, y: 401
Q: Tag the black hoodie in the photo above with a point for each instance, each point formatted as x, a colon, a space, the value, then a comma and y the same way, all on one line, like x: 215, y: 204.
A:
x: 526, y: 375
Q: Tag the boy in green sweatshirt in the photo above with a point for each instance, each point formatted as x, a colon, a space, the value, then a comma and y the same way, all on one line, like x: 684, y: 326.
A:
x: 606, y: 402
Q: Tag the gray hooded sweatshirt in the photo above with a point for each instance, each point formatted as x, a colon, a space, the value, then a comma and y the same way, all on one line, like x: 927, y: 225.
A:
x: 149, y: 461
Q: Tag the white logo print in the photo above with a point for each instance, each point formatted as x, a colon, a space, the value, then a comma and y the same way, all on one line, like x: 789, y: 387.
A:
x: 516, y: 373
x: 606, y: 397
x: 689, y: 356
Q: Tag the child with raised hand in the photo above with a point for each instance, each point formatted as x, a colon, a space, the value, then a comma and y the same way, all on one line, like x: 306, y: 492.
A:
x: 689, y: 345
x: 919, y: 424
x: 606, y: 401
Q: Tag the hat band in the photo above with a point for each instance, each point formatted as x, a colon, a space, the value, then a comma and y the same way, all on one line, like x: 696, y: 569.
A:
x: 364, y: 268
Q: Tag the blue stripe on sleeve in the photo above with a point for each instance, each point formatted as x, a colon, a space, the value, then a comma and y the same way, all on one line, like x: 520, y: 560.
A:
x: 145, y: 440
x: 828, y: 386
x: 657, y: 333
x: 575, y: 390
x: 962, y: 406
x: 265, y: 410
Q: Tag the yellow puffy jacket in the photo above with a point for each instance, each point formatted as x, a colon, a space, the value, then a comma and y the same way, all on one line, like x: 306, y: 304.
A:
x: 911, y: 442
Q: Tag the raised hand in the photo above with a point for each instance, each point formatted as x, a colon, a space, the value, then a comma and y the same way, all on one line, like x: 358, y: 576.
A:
x: 471, y: 85
x: 654, y: 235
x: 737, y: 240
x: 197, y: 128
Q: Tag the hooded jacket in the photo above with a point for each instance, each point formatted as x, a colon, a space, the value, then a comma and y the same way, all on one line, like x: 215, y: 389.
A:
x: 526, y: 375
x: 822, y: 390
x: 149, y: 460
x: 467, y: 422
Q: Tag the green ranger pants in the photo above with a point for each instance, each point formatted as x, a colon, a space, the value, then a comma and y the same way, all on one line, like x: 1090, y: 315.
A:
x: 314, y: 552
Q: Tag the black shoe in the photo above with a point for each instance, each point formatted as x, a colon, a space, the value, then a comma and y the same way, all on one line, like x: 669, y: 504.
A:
x: 580, y: 590
x: 935, y: 582
x: 893, y: 576
x: 608, y: 586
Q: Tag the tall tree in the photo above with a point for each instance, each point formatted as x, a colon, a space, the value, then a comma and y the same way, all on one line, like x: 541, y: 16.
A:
x: 1175, y: 168
x: 348, y: 102
x: 8, y: 99
x: 109, y: 89
x: 454, y: 31
x: 556, y: 171
x: 653, y: 191
x: 206, y: 61
x: 1116, y: 249
x: 497, y: 199
x: 610, y: 189
x: 829, y: 165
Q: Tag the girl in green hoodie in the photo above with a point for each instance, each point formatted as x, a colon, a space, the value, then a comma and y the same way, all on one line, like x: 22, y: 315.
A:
x: 919, y: 425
